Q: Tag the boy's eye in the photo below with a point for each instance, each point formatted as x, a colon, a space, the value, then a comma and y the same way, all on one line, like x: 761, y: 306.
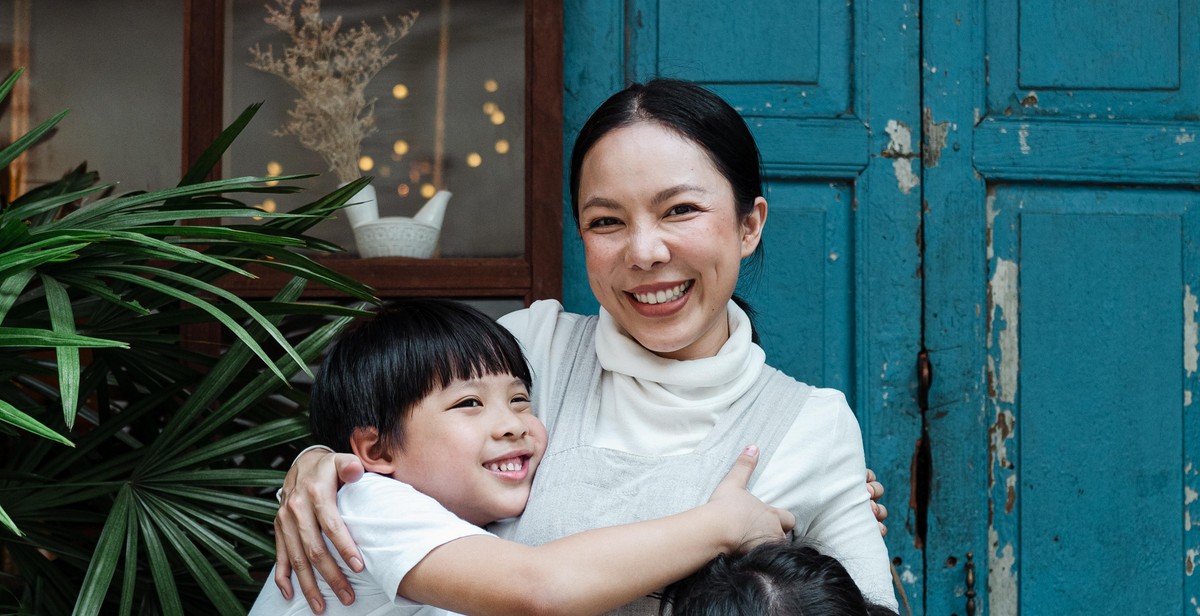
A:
x: 467, y: 403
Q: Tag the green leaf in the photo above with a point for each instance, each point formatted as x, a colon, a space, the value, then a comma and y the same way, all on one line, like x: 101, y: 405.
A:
x: 7, y: 86
x: 104, y: 559
x: 18, y: 147
x: 11, y: 289
x: 31, y: 256
x: 272, y: 433
x: 34, y: 337
x: 12, y: 415
x: 214, y: 543
x: 129, y: 579
x: 196, y: 300
x: 208, y: 160
x: 62, y: 317
x: 9, y: 524
x: 270, y: 328
x: 210, y: 581
x: 160, y: 566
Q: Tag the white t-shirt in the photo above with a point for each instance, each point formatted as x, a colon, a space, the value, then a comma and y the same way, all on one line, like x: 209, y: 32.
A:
x: 395, y: 526
x: 653, y: 406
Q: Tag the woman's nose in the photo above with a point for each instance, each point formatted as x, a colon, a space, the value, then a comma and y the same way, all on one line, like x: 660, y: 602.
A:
x: 646, y: 248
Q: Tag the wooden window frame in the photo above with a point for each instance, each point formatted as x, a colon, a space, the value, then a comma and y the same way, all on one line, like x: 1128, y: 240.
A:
x: 537, y: 274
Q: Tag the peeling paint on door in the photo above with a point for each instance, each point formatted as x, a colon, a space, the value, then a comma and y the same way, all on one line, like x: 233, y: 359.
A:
x: 1002, y: 290
x: 899, y: 149
x: 935, y: 139
x: 1002, y: 578
x: 1191, y: 332
x: 1023, y: 138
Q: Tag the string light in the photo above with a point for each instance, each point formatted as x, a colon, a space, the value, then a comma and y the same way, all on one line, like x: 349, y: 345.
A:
x: 490, y: 85
x: 489, y: 108
x: 474, y: 159
x: 400, y: 148
x: 427, y: 190
x: 366, y: 163
x: 402, y: 190
x: 273, y: 169
x: 399, y: 91
x: 498, y: 118
x: 502, y: 146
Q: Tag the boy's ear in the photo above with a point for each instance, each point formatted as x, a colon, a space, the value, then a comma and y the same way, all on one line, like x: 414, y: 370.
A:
x: 375, y: 457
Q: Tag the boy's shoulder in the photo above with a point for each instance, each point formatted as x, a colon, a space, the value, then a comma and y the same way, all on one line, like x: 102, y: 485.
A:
x: 380, y: 502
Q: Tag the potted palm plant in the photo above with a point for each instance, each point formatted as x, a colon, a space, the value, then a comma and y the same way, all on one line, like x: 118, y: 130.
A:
x: 135, y: 473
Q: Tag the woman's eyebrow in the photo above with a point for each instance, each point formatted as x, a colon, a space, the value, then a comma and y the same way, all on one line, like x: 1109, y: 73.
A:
x: 668, y: 193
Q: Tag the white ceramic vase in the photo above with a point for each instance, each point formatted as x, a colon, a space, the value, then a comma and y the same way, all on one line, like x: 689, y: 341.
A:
x: 396, y: 236
x: 364, y: 207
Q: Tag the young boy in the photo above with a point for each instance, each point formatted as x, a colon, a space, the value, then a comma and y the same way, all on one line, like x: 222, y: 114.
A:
x: 433, y: 398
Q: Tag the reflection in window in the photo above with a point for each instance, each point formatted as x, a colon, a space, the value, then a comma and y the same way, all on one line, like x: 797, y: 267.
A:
x: 449, y: 111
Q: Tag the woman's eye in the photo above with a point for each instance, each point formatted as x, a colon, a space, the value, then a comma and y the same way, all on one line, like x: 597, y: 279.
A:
x: 679, y: 210
x: 604, y: 221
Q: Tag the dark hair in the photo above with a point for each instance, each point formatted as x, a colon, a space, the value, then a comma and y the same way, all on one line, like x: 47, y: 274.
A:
x: 382, y: 367
x: 777, y: 578
x: 696, y: 114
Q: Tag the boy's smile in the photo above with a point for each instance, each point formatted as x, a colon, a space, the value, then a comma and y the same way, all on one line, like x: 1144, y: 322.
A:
x: 474, y: 447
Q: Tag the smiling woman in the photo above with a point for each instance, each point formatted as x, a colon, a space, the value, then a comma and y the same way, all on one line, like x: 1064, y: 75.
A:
x: 649, y: 401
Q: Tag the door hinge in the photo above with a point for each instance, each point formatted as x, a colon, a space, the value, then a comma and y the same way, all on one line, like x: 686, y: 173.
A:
x: 970, y: 567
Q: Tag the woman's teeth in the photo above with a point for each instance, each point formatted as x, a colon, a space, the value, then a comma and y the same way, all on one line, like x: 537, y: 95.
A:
x: 660, y: 297
x: 507, y: 465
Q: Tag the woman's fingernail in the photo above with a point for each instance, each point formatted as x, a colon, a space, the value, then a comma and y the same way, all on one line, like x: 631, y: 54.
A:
x: 315, y: 604
x: 346, y: 597
x: 356, y: 564
x: 751, y: 450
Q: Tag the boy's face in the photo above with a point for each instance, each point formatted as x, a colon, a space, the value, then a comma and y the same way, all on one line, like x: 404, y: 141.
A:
x: 473, y: 447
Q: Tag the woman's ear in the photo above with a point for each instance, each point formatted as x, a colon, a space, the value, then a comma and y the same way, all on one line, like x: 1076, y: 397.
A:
x: 376, y: 458
x: 752, y: 226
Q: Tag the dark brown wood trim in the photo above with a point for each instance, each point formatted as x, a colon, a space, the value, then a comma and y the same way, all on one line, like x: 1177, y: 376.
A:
x: 203, y: 78
x: 400, y: 277
x: 544, y: 144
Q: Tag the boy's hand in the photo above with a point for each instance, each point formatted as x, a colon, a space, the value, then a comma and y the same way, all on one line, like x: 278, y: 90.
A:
x: 308, y: 508
x: 753, y: 520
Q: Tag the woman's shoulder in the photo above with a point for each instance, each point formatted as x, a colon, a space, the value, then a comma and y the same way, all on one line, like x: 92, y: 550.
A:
x: 540, y: 324
x: 825, y: 401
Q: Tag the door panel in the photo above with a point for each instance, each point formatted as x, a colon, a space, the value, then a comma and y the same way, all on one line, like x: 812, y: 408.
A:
x: 1063, y: 211
x: 831, y: 91
x: 1086, y: 356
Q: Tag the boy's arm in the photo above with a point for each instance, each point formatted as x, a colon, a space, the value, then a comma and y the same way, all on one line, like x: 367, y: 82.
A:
x: 598, y: 570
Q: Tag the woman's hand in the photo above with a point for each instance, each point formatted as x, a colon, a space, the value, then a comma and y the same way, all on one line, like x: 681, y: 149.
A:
x: 875, y: 488
x: 754, y: 520
x: 308, y: 508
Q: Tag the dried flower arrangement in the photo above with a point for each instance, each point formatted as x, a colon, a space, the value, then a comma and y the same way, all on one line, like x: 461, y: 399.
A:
x: 330, y: 69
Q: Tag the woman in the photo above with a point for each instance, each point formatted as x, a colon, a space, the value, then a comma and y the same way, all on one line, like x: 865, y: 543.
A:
x: 647, y: 403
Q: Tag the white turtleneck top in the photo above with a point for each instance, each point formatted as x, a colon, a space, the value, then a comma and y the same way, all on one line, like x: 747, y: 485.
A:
x: 653, y: 406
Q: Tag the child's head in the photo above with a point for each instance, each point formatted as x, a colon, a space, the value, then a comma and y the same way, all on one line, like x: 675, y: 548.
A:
x: 435, y: 394
x: 777, y: 578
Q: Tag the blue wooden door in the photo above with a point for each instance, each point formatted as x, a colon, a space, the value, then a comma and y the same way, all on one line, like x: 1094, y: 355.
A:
x: 1061, y: 270
x: 831, y: 90
x: 999, y: 196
